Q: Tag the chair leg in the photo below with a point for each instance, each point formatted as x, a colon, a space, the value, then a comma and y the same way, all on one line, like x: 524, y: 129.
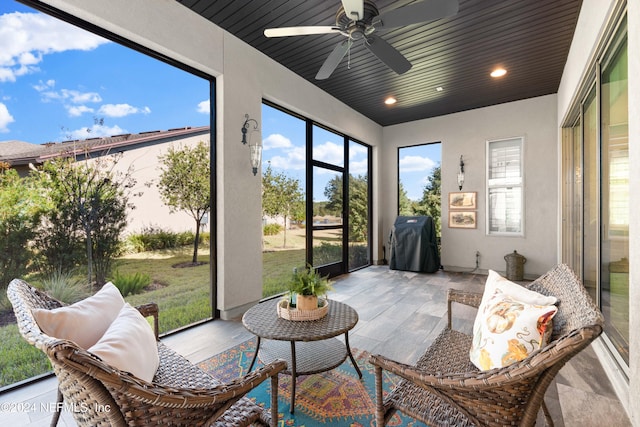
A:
x: 379, y: 398
x: 274, y: 400
x: 56, y: 414
x: 547, y: 415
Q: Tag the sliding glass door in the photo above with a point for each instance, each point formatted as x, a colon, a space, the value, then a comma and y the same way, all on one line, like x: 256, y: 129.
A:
x: 596, y: 193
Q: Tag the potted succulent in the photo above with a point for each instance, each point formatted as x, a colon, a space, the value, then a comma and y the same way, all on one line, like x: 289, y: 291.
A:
x: 305, y: 286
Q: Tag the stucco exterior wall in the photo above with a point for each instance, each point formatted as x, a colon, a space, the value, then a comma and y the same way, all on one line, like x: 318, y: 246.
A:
x: 466, y: 134
x: 145, y: 169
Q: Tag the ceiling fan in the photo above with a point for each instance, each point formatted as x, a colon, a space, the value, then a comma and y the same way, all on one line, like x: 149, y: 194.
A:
x: 360, y: 20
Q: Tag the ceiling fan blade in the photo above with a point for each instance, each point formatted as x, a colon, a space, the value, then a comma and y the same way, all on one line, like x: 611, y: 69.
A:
x: 300, y: 31
x: 354, y: 9
x: 388, y: 54
x: 424, y: 11
x: 334, y: 58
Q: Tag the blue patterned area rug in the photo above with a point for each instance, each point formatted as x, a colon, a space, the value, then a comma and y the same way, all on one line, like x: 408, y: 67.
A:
x: 334, y: 398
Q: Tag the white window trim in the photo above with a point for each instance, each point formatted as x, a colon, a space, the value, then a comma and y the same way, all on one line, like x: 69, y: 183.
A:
x: 521, y: 233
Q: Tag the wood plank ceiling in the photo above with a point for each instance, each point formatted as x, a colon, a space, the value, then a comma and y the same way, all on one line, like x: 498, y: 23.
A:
x: 529, y: 38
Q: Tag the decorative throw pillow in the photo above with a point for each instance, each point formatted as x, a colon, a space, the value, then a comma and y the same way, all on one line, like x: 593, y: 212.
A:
x: 129, y: 345
x: 85, y: 321
x: 512, y: 322
x: 496, y: 281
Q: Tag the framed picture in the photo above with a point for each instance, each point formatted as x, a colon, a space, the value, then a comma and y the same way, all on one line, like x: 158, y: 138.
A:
x: 462, y: 219
x: 463, y: 200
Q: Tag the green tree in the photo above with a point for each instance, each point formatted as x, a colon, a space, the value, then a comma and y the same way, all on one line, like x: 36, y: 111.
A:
x: 88, y: 207
x: 185, y: 184
x: 405, y: 207
x: 20, y: 210
x: 430, y: 203
x: 333, y: 193
x: 358, y: 208
x: 281, y: 196
x: 358, y: 204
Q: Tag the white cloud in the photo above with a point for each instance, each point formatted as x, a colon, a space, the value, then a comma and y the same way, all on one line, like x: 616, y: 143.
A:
x: 49, y: 84
x: 416, y: 163
x: 121, y: 110
x: 275, y: 140
x: 204, y: 107
x: 358, y: 167
x: 26, y: 37
x: 329, y: 152
x: 293, y: 159
x: 356, y: 149
x: 94, y: 131
x: 77, y: 111
x: 72, y: 96
x: 5, y: 118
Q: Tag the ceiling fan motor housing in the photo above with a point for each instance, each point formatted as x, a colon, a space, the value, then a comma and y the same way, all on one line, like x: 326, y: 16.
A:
x: 357, y: 29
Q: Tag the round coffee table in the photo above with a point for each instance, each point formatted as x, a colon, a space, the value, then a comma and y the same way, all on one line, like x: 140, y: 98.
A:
x: 317, y: 350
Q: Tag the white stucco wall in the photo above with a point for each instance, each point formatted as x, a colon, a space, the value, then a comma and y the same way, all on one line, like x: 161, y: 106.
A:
x: 149, y: 209
x: 466, y: 134
x: 244, y: 77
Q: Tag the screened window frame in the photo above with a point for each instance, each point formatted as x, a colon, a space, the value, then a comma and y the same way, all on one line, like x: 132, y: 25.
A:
x: 505, y: 183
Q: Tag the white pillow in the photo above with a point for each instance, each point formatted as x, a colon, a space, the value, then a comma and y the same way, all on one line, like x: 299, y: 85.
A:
x: 512, y: 321
x: 85, y: 321
x: 509, y: 330
x: 129, y: 345
x: 496, y: 281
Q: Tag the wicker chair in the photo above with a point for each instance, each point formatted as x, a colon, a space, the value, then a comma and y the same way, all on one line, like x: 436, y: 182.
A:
x: 180, y: 395
x: 445, y: 389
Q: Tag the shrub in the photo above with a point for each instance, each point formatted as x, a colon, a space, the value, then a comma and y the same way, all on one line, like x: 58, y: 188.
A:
x: 130, y: 284
x: 64, y: 286
x: 19, y: 217
x: 153, y: 238
x: 326, y: 253
x: 358, y: 256
x: 271, y: 229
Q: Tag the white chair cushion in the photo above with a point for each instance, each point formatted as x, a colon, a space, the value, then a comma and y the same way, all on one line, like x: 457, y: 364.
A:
x: 85, y: 321
x: 129, y: 345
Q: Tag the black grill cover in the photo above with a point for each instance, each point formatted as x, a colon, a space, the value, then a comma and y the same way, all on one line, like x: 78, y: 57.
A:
x: 413, y: 245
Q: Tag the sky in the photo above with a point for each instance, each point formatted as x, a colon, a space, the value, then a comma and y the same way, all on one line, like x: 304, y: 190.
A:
x: 59, y: 82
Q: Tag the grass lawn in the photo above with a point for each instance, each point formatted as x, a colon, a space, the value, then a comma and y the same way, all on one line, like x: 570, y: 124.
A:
x: 182, y: 294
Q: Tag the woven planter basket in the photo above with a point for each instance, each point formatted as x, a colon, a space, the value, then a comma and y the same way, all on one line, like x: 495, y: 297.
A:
x: 292, y: 313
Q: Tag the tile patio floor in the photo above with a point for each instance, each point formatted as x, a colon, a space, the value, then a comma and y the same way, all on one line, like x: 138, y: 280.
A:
x: 400, y: 314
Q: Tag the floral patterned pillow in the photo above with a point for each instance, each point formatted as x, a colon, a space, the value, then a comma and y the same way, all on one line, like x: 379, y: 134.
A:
x: 508, y: 330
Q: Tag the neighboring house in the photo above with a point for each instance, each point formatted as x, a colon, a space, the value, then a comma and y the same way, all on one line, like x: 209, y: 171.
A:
x: 139, y: 151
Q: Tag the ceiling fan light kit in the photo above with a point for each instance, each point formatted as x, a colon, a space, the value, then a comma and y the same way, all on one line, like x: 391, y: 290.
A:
x: 359, y: 20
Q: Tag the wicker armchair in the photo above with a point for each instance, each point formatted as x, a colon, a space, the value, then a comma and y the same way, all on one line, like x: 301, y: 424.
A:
x: 179, y: 395
x: 445, y: 389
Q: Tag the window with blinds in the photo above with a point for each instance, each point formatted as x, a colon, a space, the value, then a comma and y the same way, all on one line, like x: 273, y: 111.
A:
x: 505, y: 199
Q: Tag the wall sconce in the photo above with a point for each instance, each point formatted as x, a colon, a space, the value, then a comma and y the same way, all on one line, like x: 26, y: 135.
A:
x: 255, y: 150
x: 461, y: 174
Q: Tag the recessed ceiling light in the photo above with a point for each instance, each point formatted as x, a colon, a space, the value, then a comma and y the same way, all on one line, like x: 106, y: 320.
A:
x: 498, y: 72
x: 439, y: 89
x: 390, y: 100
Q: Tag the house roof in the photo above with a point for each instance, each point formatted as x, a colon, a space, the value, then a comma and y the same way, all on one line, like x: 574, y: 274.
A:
x: 529, y: 38
x: 14, y: 148
x: 22, y: 153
